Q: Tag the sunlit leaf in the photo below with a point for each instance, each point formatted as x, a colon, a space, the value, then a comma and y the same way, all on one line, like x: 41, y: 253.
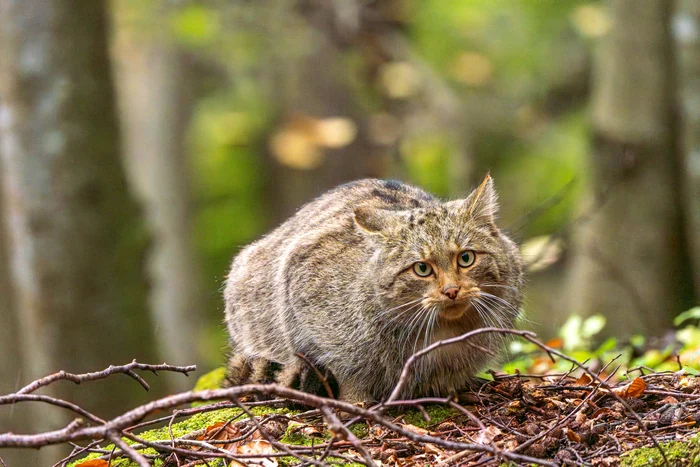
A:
x: 631, y: 390
x: 93, y: 463
x: 473, y: 69
x: 296, y: 150
x: 570, y: 332
x: 583, y: 380
x: 593, y: 325
x: 592, y: 20
x: 195, y: 24
x: 692, y: 314
x: 335, y: 132
x: 257, y: 447
x: 556, y: 343
x: 540, y: 252
x: 399, y: 80
x: 487, y: 435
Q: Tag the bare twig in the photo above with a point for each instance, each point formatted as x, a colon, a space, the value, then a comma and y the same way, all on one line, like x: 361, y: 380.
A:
x: 136, y: 456
x: 126, y: 369
x: 337, y: 426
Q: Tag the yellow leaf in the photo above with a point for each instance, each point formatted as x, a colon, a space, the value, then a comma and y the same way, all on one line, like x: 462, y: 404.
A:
x: 592, y: 20
x: 295, y: 149
x: 473, y: 69
x: 335, y: 132
x: 400, y: 80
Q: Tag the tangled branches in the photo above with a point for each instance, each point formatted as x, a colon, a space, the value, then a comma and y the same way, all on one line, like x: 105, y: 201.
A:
x: 225, y: 440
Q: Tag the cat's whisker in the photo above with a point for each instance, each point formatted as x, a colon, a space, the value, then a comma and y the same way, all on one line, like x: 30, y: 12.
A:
x: 411, y: 324
x: 386, y: 312
x: 423, y: 323
x: 396, y: 319
x: 430, y: 329
x: 489, y: 284
x: 500, y: 300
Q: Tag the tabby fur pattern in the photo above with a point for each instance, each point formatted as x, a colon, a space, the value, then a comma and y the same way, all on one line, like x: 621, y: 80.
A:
x: 338, y: 283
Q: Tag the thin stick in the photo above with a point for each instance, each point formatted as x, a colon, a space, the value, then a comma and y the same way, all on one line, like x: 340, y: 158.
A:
x: 126, y: 369
x: 128, y: 450
x: 337, y: 426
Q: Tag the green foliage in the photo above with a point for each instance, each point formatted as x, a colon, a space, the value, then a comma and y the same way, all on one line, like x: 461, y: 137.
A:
x: 577, y: 338
x: 195, y: 25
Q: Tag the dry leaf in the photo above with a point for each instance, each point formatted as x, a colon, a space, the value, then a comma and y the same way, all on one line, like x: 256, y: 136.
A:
x: 669, y: 400
x: 93, y: 463
x: 602, y: 411
x: 432, y: 449
x: 633, y: 389
x: 556, y: 343
x: 256, y: 447
x: 487, y: 436
x: 221, y: 431
x: 572, y: 436
x: 583, y: 380
x: 416, y: 429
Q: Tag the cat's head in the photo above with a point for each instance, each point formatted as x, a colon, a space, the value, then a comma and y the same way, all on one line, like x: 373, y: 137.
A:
x: 445, y: 263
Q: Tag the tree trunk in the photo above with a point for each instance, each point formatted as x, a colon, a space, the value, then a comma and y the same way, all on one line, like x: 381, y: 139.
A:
x: 76, y: 239
x: 631, y: 258
x: 11, y: 418
x: 155, y: 116
x: 687, y: 35
x: 317, y: 86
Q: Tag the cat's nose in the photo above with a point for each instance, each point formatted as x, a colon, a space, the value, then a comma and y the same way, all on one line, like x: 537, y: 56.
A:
x: 451, y: 291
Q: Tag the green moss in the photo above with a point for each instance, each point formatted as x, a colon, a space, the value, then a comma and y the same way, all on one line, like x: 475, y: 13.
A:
x: 195, y: 423
x: 677, y: 452
x: 437, y: 413
x: 211, y: 380
x: 293, y: 435
x: 360, y: 430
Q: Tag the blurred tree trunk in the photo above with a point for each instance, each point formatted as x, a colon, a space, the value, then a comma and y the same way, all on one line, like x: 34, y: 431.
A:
x: 317, y: 87
x: 157, y: 103
x: 687, y: 35
x: 17, y: 419
x: 631, y: 258
x: 76, y: 239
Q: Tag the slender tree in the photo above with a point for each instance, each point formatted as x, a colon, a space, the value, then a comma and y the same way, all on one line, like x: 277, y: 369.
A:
x: 687, y: 25
x: 11, y: 361
x: 632, y: 261
x: 155, y: 113
x: 76, y: 239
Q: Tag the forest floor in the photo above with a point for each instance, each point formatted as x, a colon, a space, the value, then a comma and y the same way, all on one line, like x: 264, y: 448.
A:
x: 559, y: 419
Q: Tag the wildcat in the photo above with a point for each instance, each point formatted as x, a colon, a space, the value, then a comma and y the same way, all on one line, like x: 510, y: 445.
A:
x: 366, y: 275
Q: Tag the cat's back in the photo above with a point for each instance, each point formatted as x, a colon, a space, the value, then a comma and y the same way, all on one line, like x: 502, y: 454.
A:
x: 335, y: 207
x: 316, y: 237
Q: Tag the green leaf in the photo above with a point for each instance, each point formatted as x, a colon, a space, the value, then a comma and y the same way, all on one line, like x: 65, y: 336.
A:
x: 570, y: 332
x: 693, y: 313
x: 593, y: 325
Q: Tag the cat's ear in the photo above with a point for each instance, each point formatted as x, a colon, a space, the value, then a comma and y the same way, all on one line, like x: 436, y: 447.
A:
x: 377, y: 220
x: 481, y: 204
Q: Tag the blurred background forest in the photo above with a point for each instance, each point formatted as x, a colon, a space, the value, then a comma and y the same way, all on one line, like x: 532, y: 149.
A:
x: 143, y: 143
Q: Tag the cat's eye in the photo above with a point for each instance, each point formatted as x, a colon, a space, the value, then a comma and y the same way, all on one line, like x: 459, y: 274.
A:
x: 466, y: 258
x: 422, y: 269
